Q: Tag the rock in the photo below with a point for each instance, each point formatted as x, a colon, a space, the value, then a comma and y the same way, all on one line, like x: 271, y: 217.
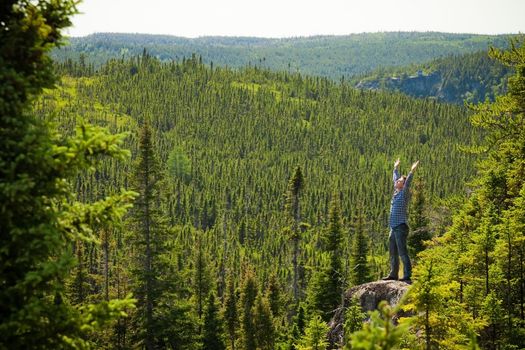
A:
x: 369, y: 296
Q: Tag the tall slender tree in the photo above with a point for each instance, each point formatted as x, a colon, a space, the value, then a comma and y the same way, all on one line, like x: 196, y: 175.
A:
x: 213, y: 330
x: 360, y: 270
x: 230, y: 312
x: 148, y: 239
x: 248, y: 297
x: 295, y: 187
x: 325, y: 288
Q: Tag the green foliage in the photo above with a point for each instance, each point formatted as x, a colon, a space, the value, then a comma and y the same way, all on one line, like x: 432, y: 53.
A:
x: 264, y: 326
x: 380, y: 332
x: 39, y: 213
x: 468, y: 277
x: 360, y: 271
x: 230, y: 312
x: 440, y: 320
x: 248, y: 297
x: 353, y: 321
x: 179, y: 165
x: 326, y: 56
x: 326, y: 286
x: 314, y: 335
x: 243, y: 133
x: 213, y: 327
x: 419, y: 222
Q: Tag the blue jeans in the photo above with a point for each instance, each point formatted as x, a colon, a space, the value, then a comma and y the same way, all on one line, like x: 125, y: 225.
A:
x: 398, y: 249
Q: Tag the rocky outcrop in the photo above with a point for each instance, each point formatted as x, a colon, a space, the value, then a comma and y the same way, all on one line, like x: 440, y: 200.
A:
x: 420, y: 85
x: 369, y: 296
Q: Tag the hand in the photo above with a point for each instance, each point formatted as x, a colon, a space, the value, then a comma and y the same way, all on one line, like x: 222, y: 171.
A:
x: 414, y: 166
x: 396, y: 164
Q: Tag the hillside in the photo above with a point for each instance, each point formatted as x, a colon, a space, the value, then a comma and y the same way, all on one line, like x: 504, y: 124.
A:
x: 267, y: 123
x: 234, y: 139
x: 327, y: 56
x: 471, y: 77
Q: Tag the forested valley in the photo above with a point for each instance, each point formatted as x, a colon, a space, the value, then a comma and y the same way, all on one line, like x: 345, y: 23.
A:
x: 156, y: 204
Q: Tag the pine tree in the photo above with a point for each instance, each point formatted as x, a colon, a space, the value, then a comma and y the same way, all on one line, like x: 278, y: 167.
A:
x: 380, y: 332
x: 213, y: 332
x: 264, y: 326
x: 353, y: 321
x: 248, y: 296
x: 360, y: 270
x: 149, y: 240
x: 39, y: 215
x: 274, y: 296
x: 201, y: 281
x: 326, y: 285
x: 299, y: 324
x: 295, y: 187
x: 230, y: 312
x: 315, y: 335
x: 419, y: 223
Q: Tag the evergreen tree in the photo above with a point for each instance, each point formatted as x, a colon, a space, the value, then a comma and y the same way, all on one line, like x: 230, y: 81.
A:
x: 230, y: 312
x: 39, y: 215
x: 264, y: 326
x: 274, y: 296
x: 353, y: 321
x: 380, y: 332
x: 419, y: 223
x: 213, y: 331
x: 315, y: 335
x: 149, y: 240
x: 440, y: 320
x: 248, y: 296
x: 295, y: 187
x: 360, y: 270
x: 325, y: 287
x: 201, y: 281
x: 299, y: 324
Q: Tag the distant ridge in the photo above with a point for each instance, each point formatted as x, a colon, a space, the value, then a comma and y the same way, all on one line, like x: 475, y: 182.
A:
x: 327, y: 56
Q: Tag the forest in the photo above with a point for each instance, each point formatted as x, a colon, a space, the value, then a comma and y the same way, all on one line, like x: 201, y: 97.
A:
x: 182, y: 204
x: 334, y: 57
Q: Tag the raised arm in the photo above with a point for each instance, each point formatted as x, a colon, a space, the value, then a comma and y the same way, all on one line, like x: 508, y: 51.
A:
x: 396, y: 170
x: 410, y: 175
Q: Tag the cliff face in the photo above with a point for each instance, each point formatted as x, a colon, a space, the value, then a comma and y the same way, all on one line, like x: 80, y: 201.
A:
x: 444, y: 86
x: 419, y: 85
x: 369, y: 296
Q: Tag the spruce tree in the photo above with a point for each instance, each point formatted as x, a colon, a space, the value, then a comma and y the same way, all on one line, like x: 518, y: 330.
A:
x: 419, y: 223
x: 248, y: 297
x: 201, y: 279
x: 213, y: 330
x: 149, y: 239
x: 353, y: 321
x: 230, y: 312
x: 314, y: 335
x: 295, y: 187
x: 264, y: 326
x: 360, y: 270
x: 39, y: 215
x: 325, y: 289
x: 380, y: 332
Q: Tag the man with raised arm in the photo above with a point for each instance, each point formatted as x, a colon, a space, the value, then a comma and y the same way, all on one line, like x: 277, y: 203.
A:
x: 398, y: 224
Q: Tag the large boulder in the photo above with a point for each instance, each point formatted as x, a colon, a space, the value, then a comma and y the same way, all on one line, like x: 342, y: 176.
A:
x: 369, y: 296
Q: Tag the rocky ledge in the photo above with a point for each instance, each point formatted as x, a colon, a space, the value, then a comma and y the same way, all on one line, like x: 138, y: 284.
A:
x: 369, y: 296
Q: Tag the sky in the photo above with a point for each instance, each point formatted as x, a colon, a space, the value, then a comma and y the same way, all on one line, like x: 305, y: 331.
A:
x: 293, y: 18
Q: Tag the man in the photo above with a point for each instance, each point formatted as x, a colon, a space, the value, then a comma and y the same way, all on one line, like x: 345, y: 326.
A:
x: 398, y: 225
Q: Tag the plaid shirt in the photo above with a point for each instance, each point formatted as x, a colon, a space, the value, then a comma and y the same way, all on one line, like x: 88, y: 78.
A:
x: 399, y: 203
